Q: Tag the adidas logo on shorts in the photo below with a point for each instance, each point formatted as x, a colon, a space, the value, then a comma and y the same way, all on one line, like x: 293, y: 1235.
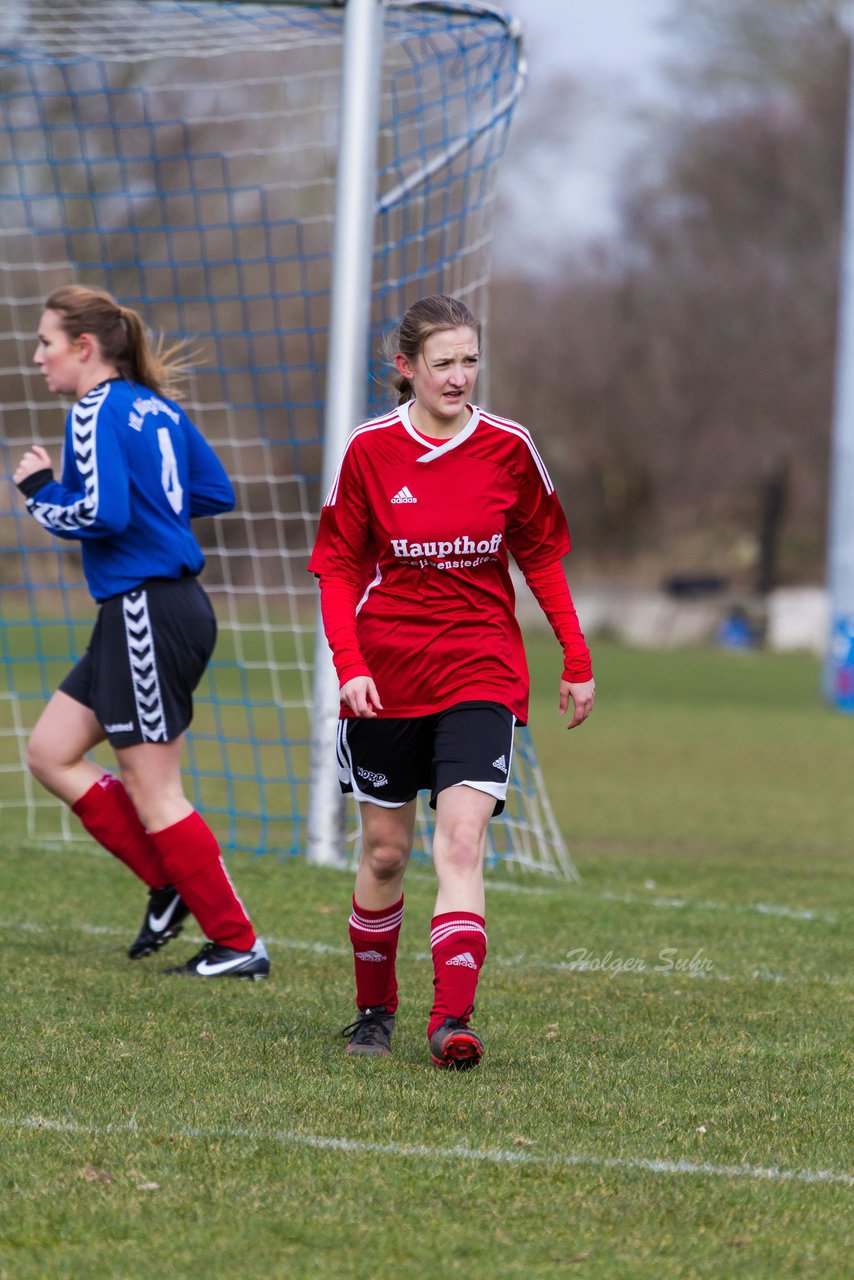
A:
x: 404, y: 495
x: 500, y: 763
x: 370, y: 955
x: 465, y: 960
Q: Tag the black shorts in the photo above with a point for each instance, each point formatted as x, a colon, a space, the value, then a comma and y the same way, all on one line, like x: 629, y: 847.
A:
x: 389, y: 761
x: 148, y: 651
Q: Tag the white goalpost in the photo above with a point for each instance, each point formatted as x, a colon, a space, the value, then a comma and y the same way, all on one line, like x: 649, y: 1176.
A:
x: 278, y: 182
x: 346, y: 400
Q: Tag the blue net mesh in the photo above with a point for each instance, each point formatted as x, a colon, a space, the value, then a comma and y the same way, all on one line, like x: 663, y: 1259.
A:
x: 183, y: 156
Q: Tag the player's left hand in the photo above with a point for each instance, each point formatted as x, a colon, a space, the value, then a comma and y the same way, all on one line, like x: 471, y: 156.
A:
x: 582, y: 695
x: 35, y: 459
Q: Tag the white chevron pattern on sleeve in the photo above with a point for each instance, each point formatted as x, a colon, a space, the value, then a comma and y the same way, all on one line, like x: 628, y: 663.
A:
x: 84, y: 426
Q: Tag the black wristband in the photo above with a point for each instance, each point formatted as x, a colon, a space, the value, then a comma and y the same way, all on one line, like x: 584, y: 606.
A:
x: 31, y: 485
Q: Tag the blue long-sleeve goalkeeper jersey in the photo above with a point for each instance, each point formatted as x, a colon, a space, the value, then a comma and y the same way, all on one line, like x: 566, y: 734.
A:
x: 135, y: 471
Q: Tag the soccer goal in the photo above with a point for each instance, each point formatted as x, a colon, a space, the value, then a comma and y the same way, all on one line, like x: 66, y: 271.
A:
x: 184, y: 156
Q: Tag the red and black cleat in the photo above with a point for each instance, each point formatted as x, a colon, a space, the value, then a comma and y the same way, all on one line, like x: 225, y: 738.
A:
x: 455, y: 1046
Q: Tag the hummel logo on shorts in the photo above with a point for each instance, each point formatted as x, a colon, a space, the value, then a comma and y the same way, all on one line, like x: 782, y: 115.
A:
x: 371, y: 955
x: 500, y: 763
x: 404, y: 495
x: 466, y: 960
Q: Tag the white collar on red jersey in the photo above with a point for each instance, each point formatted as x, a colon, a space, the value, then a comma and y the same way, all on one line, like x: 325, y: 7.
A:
x: 437, y: 450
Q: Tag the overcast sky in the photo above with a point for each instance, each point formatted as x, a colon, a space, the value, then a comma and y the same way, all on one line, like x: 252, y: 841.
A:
x: 612, y: 48
x: 622, y: 35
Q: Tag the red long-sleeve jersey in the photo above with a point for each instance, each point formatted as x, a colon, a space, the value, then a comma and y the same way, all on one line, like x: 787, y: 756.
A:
x: 412, y: 555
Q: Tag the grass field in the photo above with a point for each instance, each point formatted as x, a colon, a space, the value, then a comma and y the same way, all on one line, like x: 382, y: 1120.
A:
x: 668, y: 1081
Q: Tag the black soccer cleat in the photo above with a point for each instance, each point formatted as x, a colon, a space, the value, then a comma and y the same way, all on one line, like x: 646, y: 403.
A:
x: 214, y: 961
x: 164, y: 920
x: 455, y: 1046
x: 370, y: 1034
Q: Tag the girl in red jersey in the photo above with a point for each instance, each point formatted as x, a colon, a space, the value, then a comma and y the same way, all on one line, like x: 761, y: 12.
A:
x: 412, y: 555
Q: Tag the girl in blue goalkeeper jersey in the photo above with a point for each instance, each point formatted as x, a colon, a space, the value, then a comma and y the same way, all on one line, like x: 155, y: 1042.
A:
x: 135, y: 472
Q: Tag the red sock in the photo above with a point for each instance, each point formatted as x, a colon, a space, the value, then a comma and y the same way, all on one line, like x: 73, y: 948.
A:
x: 107, y: 813
x: 458, y: 943
x: 192, y: 860
x: 374, y: 937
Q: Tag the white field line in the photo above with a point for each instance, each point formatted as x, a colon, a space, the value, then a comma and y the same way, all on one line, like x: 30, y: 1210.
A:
x: 417, y: 1151
x: 605, y: 966
x: 659, y: 901
x: 700, y: 904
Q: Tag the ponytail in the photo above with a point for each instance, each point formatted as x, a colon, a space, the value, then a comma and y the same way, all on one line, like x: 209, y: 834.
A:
x: 122, y: 337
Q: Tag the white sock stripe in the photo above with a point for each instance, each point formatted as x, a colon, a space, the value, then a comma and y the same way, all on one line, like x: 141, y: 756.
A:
x: 237, y: 896
x: 386, y: 925
x: 443, y: 932
x: 457, y: 926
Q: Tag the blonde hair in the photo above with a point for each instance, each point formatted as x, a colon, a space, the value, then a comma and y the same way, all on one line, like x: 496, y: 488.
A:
x: 122, y: 337
x: 423, y: 319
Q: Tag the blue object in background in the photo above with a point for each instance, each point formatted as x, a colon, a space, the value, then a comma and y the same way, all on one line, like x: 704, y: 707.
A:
x: 840, y: 664
x: 737, y: 632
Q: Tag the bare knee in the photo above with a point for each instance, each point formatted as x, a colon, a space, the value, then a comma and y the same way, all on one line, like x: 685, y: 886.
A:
x: 460, y: 847
x: 60, y: 771
x: 464, y: 837
x: 57, y: 751
x: 386, y: 861
x: 44, y: 762
x: 387, y: 835
x: 462, y: 819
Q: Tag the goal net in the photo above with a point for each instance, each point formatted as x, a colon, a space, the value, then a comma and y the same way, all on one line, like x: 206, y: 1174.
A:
x: 183, y: 155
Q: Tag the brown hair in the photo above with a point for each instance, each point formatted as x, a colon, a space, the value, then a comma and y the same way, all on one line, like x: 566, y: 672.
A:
x: 122, y: 337
x: 423, y: 319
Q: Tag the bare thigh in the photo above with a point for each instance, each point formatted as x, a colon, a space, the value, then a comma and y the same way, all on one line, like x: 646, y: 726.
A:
x: 64, y: 734
x: 459, y: 842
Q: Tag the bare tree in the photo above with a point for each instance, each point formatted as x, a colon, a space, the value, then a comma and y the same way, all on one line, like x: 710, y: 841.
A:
x: 677, y: 370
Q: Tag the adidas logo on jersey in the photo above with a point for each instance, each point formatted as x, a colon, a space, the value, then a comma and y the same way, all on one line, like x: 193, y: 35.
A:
x: 465, y: 961
x: 404, y: 495
x: 374, y: 956
x: 500, y: 763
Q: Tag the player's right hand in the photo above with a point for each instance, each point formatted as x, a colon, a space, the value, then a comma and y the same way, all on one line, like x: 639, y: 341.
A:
x: 360, y: 695
x: 35, y: 459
